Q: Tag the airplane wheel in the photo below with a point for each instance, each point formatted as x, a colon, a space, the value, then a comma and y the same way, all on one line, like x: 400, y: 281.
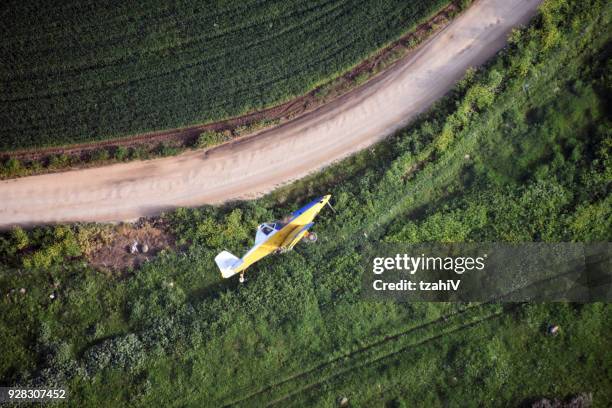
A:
x: 311, y: 237
x: 241, y: 279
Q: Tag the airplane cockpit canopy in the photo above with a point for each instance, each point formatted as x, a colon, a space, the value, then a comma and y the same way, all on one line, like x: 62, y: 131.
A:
x: 266, y: 229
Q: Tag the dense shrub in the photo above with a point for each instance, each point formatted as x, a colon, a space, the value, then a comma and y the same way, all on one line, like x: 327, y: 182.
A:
x: 54, y: 247
x: 208, y: 139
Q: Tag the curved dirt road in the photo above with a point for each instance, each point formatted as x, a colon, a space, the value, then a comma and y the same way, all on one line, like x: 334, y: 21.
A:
x: 255, y: 165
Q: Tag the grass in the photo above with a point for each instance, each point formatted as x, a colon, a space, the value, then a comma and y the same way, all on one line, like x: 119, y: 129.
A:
x: 104, y: 72
x: 299, y: 333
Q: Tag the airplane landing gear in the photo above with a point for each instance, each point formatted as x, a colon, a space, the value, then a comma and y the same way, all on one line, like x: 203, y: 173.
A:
x: 311, y: 237
x: 241, y: 279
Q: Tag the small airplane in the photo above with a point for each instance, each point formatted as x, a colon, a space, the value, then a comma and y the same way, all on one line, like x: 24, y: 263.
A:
x: 277, y: 236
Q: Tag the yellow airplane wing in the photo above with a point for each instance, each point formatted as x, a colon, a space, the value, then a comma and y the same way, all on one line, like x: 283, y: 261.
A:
x: 296, y: 235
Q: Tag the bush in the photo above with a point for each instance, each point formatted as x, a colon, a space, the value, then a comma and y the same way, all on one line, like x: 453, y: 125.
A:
x: 13, y: 167
x: 91, y: 237
x: 59, y: 161
x: 53, y: 247
x: 20, y: 238
x: 210, y: 138
x: 121, y: 153
x: 118, y: 352
x: 165, y: 150
x: 99, y: 155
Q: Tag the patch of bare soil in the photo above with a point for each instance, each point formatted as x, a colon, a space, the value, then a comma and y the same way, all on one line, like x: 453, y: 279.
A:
x: 127, y: 246
x: 583, y: 400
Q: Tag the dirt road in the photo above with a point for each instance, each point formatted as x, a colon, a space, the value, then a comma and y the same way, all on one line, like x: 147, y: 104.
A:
x: 255, y: 165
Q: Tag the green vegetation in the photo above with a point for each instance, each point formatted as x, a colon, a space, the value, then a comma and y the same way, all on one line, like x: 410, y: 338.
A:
x: 213, y: 138
x: 519, y: 151
x: 13, y: 167
x: 92, y: 71
x: 207, y: 139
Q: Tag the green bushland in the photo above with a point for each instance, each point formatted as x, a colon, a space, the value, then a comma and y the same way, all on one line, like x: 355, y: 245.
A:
x: 90, y: 71
x: 519, y: 151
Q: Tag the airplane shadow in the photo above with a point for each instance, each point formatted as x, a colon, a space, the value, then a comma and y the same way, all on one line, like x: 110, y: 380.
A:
x: 212, y: 291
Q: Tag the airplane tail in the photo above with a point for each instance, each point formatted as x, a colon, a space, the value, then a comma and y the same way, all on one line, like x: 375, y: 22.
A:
x: 227, y: 263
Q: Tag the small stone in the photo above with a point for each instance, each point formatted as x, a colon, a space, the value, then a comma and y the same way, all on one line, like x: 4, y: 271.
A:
x: 466, y: 157
x: 134, y: 247
x: 343, y: 402
x: 171, y: 284
x: 144, y: 248
x: 22, y: 291
x: 553, y: 329
x: 52, y: 296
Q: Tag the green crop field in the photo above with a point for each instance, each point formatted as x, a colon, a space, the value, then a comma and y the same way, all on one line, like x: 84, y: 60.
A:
x: 519, y: 151
x: 93, y: 70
